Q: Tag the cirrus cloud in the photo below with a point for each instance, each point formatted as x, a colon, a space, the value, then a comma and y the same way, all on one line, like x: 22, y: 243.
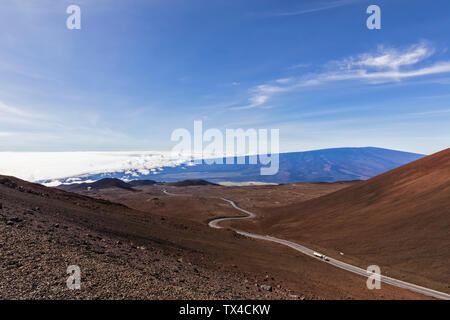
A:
x: 383, y: 66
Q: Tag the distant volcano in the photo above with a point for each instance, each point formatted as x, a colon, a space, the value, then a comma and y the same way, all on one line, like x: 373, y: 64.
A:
x: 327, y: 165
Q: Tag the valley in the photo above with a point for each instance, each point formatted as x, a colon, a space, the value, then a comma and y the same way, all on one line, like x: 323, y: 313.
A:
x: 155, y: 239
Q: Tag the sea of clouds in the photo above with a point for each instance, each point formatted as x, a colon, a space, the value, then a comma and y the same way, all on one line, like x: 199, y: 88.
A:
x: 52, y: 167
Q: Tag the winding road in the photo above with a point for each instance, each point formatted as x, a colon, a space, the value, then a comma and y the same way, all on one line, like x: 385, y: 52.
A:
x: 339, y: 264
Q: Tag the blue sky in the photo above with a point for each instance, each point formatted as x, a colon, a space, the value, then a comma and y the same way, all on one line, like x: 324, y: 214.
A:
x: 139, y: 69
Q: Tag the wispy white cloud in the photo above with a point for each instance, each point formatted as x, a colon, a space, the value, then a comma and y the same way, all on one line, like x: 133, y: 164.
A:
x: 384, y: 66
x: 21, y: 127
x: 254, y: 101
x: 4, y: 108
x: 431, y: 113
x: 385, y: 76
x: 299, y: 65
x: 319, y: 6
x: 284, y: 80
x: 389, y: 58
x: 10, y: 113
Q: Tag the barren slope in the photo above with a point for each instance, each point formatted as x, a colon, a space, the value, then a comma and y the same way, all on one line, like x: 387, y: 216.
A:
x: 125, y: 253
x: 399, y: 220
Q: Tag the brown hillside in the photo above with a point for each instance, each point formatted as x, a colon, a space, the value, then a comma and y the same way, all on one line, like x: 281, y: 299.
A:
x: 399, y: 220
x: 130, y: 254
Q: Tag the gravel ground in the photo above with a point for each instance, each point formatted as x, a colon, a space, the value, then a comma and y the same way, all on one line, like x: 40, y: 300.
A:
x: 42, y: 233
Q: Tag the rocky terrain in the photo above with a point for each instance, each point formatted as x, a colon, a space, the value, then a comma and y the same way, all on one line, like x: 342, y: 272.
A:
x: 181, y: 221
x: 142, y: 243
x: 43, y: 231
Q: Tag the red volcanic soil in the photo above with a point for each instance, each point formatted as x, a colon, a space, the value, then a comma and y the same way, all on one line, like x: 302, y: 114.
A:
x: 123, y: 253
x: 126, y: 253
x: 399, y: 220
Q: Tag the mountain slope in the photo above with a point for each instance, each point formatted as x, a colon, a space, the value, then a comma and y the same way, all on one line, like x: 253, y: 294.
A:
x: 328, y: 165
x: 399, y: 220
x: 122, y: 253
x: 141, y: 183
x: 129, y: 254
x: 98, y: 185
x: 187, y: 183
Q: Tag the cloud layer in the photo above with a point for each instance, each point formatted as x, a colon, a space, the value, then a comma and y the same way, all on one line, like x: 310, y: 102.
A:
x: 383, y: 66
x: 38, y: 166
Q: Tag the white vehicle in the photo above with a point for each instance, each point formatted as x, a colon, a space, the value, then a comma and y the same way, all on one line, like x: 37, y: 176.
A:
x: 318, y: 255
x: 321, y: 256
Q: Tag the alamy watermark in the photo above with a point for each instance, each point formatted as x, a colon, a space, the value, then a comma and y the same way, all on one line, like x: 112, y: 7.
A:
x: 73, y: 282
x: 74, y: 20
x: 237, y: 145
x: 374, y: 20
x: 374, y: 279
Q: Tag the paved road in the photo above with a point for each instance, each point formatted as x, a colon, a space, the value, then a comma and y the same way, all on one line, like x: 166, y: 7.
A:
x: 339, y: 264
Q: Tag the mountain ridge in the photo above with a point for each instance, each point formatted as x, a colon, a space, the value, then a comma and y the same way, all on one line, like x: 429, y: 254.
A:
x: 323, y: 165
